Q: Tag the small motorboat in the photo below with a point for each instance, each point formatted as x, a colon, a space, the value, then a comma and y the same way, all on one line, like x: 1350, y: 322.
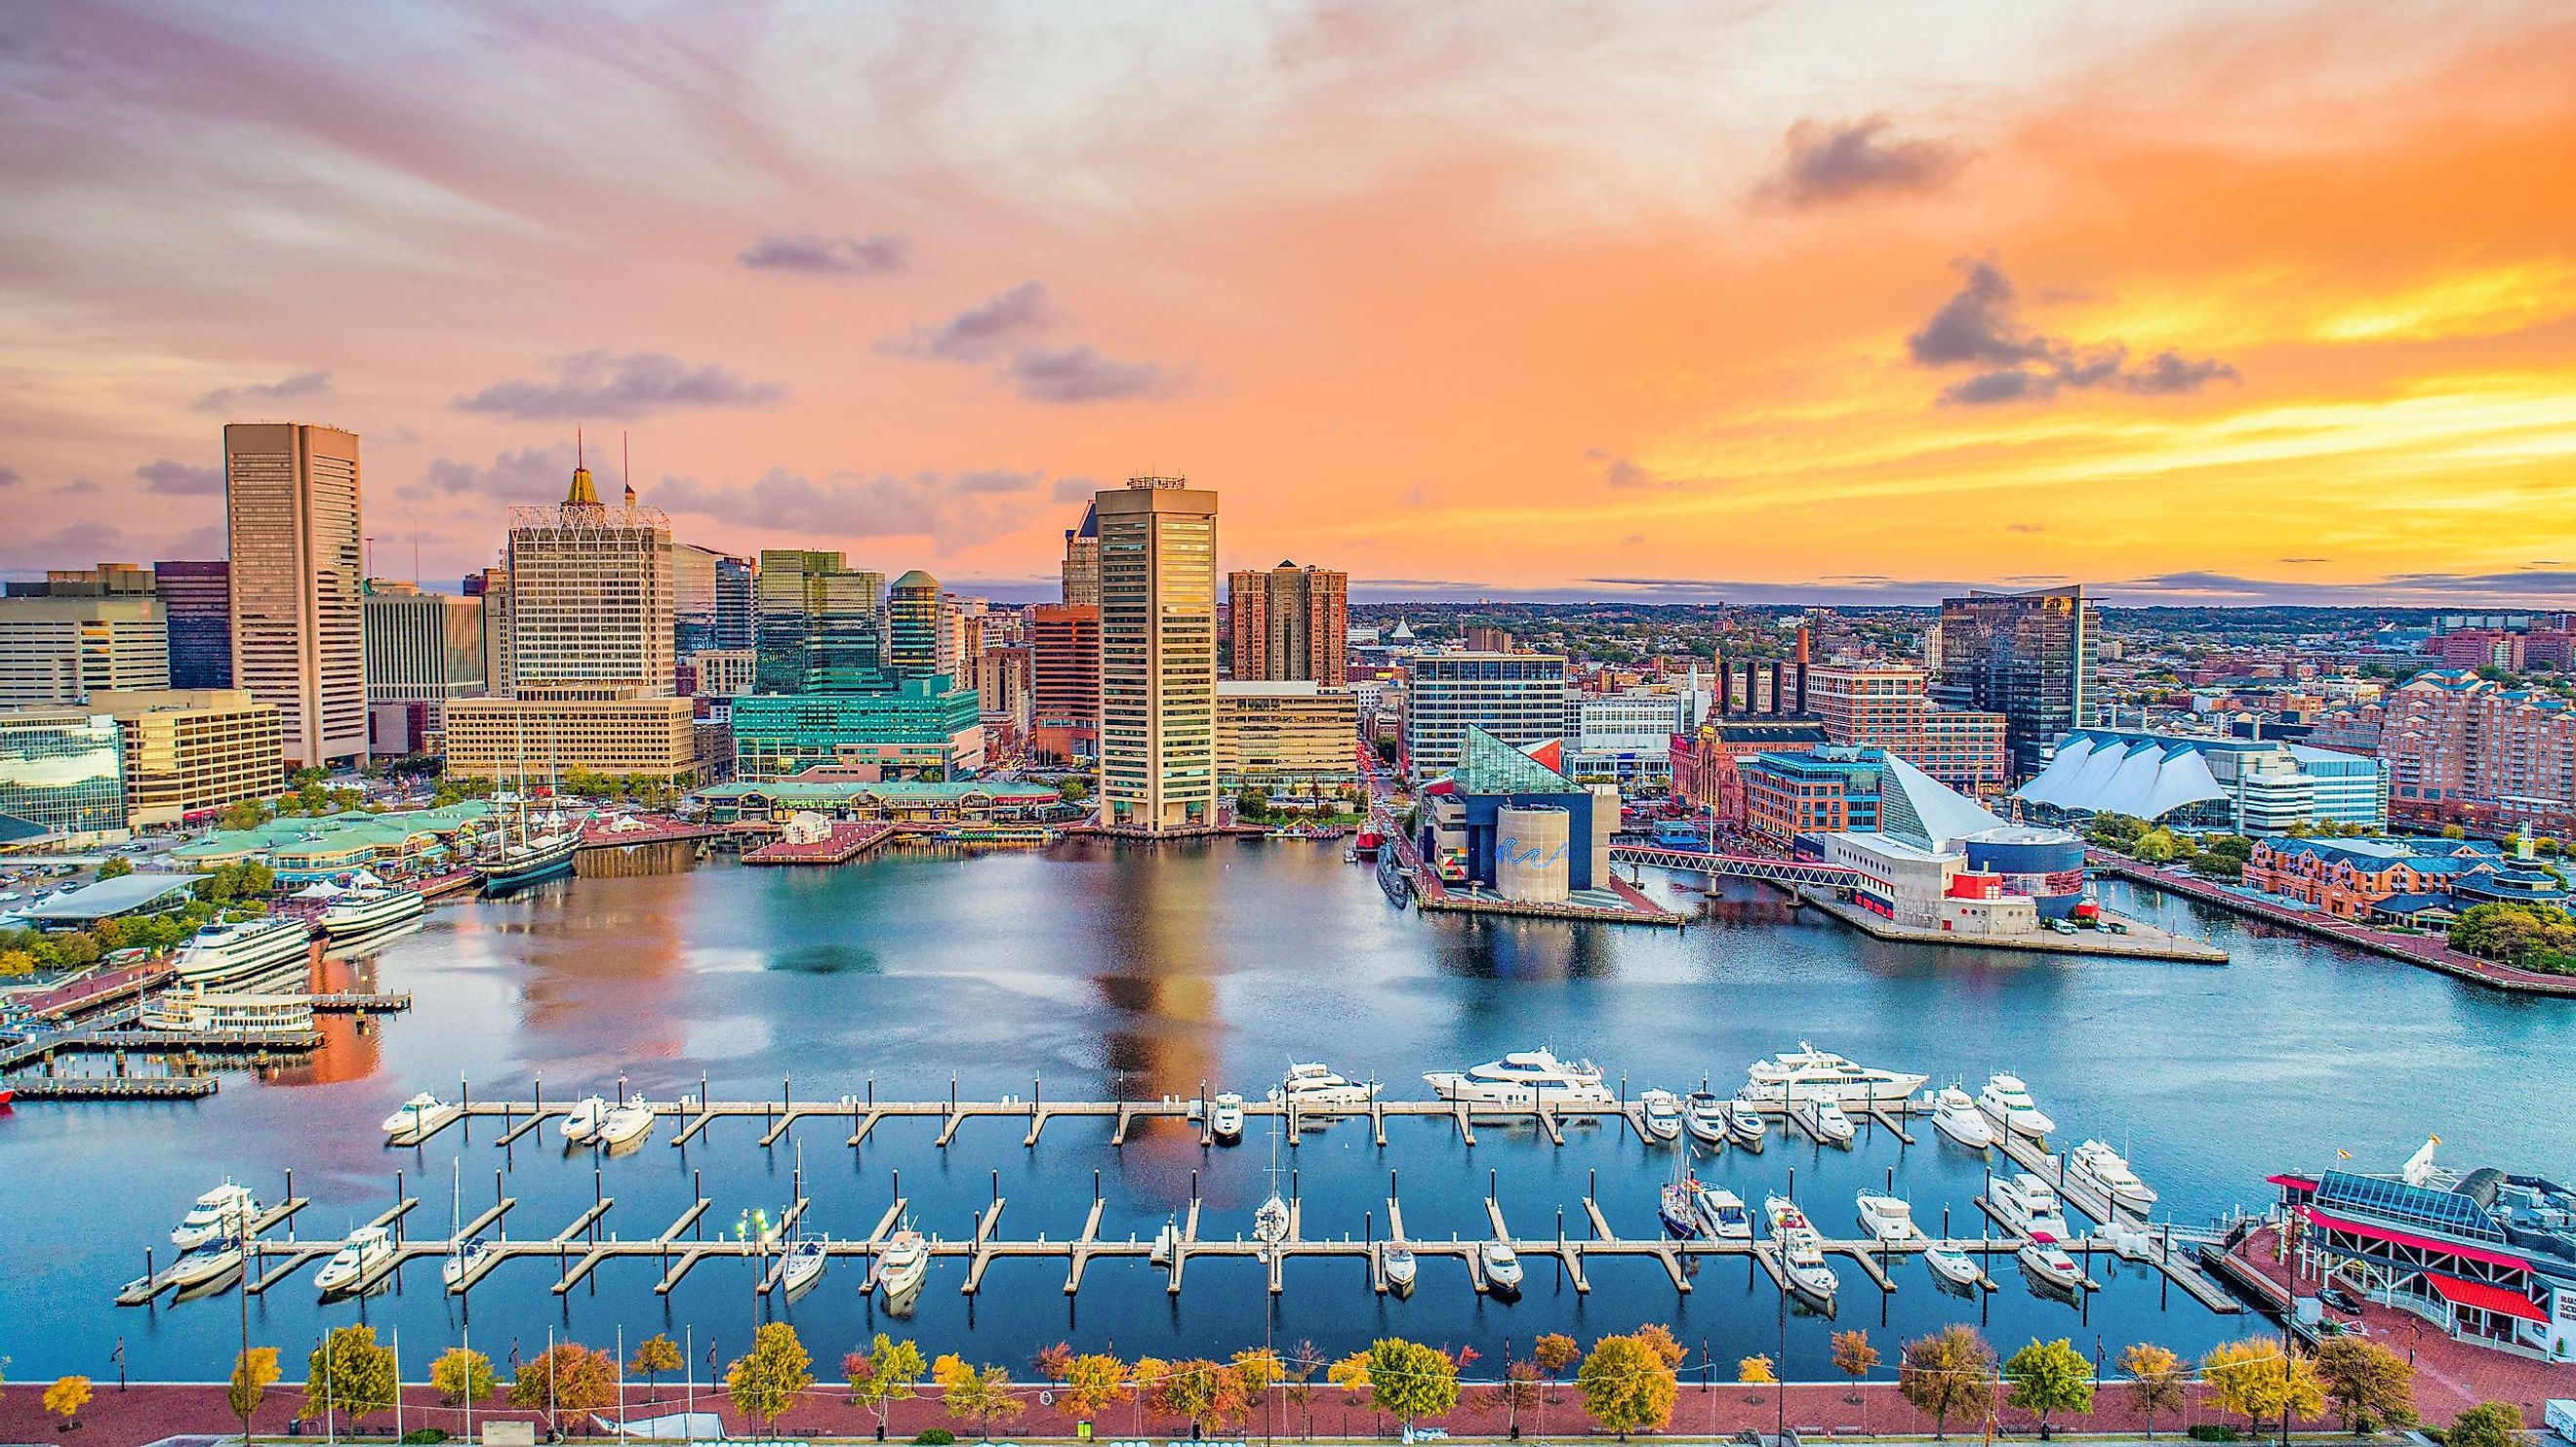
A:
x: 581, y: 1125
x: 2107, y: 1171
x: 627, y: 1123
x: 1400, y: 1267
x: 801, y: 1267
x: 2029, y: 1205
x: 206, y: 1263
x: 415, y: 1112
x: 1745, y: 1125
x: 2008, y: 1099
x: 1953, y: 1267
x: 225, y: 1211
x: 1955, y: 1114
x: 1722, y: 1216
x: 1225, y: 1122
x: 1502, y: 1266
x: 1802, y: 1251
x: 367, y: 1248
x: 1704, y: 1116
x: 1831, y: 1125
x: 2048, y: 1263
x: 901, y: 1268
x: 1659, y: 1115
x: 1314, y: 1089
x: 461, y: 1260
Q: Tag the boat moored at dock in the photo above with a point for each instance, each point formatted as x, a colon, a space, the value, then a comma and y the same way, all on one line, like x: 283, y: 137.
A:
x: 1954, y: 1268
x: 2007, y: 1099
x: 1806, y: 1073
x: 581, y: 1124
x: 627, y: 1123
x: 1659, y: 1115
x: 225, y: 1211
x: 364, y: 911
x: 1889, y: 1220
x: 2029, y: 1205
x: 1955, y: 1114
x: 367, y: 1248
x: 1704, y: 1116
x: 1225, y: 1120
x: 2048, y: 1264
x: 1523, y: 1079
x: 1722, y: 1216
x: 191, y: 1007
x: 1745, y: 1125
x: 224, y: 952
x: 1831, y: 1125
x: 1802, y: 1251
x: 1401, y: 1268
x: 801, y: 1267
x: 1313, y: 1088
x: 2108, y: 1172
x: 1502, y: 1266
x: 901, y: 1270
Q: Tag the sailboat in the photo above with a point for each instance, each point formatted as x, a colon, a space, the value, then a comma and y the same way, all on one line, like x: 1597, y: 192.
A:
x: 530, y: 857
x: 1270, y: 1222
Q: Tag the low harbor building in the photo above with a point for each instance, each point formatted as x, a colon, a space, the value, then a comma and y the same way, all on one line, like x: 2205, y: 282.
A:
x: 1286, y: 737
x: 188, y: 753
x: 1506, y: 819
x: 820, y: 791
x: 336, y: 844
x: 2397, y: 876
x: 2243, y: 786
x: 924, y: 727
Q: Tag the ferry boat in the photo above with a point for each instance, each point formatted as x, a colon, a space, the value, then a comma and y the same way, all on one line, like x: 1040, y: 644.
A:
x: 2008, y: 1100
x: 1523, y: 1079
x: 362, y: 911
x: 233, y: 948
x: 1722, y: 1216
x: 1831, y: 1126
x: 1400, y: 1267
x: 581, y: 1126
x: 1704, y: 1116
x: 461, y: 1260
x: 1659, y: 1114
x: 1955, y: 1114
x: 626, y: 1124
x: 1807, y: 1072
x: 188, y: 1007
x: 368, y: 1247
x: 801, y: 1267
x: 1225, y: 1122
x: 1313, y: 1088
x: 1745, y: 1125
x: 1502, y: 1266
x: 1889, y: 1220
x: 901, y: 1268
x: 2107, y: 1171
x: 1802, y: 1252
x: 227, y: 1210
x: 2029, y: 1205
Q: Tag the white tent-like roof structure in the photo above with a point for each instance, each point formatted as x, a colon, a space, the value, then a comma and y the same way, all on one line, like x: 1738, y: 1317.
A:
x: 1921, y: 810
x: 2142, y: 778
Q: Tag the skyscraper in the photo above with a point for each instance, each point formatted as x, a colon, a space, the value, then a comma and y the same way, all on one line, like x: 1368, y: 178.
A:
x: 291, y: 511
x: 1290, y: 624
x: 1082, y: 560
x: 2027, y: 656
x: 591, y: 595
x: 734, y: 614
x: 1157, y: 656
x: 819, y: 629
x: 693, y: 598
x: 912, y: 625
x: 1064, y: 681
x: 198, y: 598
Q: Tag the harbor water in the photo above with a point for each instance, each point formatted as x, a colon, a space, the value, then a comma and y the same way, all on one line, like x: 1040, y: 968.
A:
x: 1102, y: 970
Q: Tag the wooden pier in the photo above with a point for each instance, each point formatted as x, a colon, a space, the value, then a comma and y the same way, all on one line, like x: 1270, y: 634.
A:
x: 2182, y: 1267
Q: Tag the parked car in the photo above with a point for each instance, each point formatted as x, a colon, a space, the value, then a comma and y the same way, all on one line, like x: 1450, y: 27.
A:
x: 2340, y: 1299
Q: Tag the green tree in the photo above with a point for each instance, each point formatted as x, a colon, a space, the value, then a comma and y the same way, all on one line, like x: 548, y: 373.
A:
x: 767, y: 1380
x: 1073, y: 791
x: 2373, y: 1386
x: 566, y: 1377
x: 462, y: 1376
x: 350, y: 1375
x: 2488, y: 1424
x: 893, y: 1371
x: 254, y: 1372
x: 2156, y: 1380
x: 1410, y: 1380
x: 1627, y: 1385
x: 1945, y: 1372
x: 654, y: 1355
x: 2047, y: 1378
x: 116, y: 867
x: 1252, y: 804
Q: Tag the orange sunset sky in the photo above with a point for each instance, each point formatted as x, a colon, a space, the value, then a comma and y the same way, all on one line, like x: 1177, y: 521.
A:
x: 2197, y: 302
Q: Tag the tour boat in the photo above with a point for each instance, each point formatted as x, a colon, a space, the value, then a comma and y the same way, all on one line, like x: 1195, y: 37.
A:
x: 1807, y: 1072
x: 215, y: 1259
x: 2050, y: 1264
x: 1722, y: 1216
x: 1888, y: 1219
x: 362, y: 911
x: 233, y: 948
x: 1502, y: 1265
x: 1745, y: 1125
x: 801, y: 1268
x: 1704, y: 1116
x: 368, y: 1247
x: 1951, y: 1266
x: 1802, y: 1252
x: 415, y: 1112
x: 2029, y: 1205
x: 1659, y: 1114
x: 461, y: 1260
x: 906, y: 1260
x: 627, y: 1123
x: 1523, y: 1079
x: 1400, y: 1267
x: 581, y: 1125
x: 190, y: 1007
x: 1832, y: 1127
x: 1225, y: 1122
x: 224, y: 1211
x: 2008, y: 1100
x: 2104, y: 1169
x: 1955, y: 1114
x: 1313, y: 1089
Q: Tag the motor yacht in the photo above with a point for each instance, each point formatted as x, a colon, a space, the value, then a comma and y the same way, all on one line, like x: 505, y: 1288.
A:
x: 1523, y: 1079
x: 461, y: 1260
x: 361, y: 911
x: 2008, y: 1100
x: 1888, y: 1219
x: 1802, y: 1252
x: 1400, y: 1267
x: 217, y: 1258
x: 1502, y: 1266
x: 1225, y: 1121
x: 1722, y: 1216
x: 1314, y: 1089
x: 2107, y: 1171
x: 901, y: 1268
x: 226, y: 951
x: 1806, y: 1073
x: 1704, y: 1116
x: 2050, y: 1265
x: 225, y: 1211
x: 2029, y: 1205
x: 1831, y: 1126
x: 367, y: 1248
x: 801, y: 1267
x: 1659, y: 1114
x: 1954, y: 1267
x: 626, y: 1123
x: 581, y: 1125
x: 1955, y: 1114
x: 1745, y: 1125
x: 416, y: 1113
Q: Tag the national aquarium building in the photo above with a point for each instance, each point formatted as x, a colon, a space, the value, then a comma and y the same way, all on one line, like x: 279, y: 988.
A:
x: 1506, y: 820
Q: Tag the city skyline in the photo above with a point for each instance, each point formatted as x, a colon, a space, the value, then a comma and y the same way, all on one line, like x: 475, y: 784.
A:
x: 2192, y: 305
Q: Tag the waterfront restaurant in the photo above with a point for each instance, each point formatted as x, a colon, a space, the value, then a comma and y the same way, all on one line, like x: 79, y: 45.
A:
x: 891, y: 801
x: 2486, y: 1256
x: 301, y: 849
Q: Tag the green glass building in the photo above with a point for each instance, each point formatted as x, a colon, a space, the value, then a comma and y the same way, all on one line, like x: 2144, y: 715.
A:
x: 817, y: 625
x: 922, y: 728
x: 61, y: 771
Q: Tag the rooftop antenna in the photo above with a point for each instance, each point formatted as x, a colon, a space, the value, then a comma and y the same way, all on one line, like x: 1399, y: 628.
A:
x: 625, y: 467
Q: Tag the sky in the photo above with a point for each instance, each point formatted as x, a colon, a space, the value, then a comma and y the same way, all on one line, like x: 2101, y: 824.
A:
x: 1677, y: 300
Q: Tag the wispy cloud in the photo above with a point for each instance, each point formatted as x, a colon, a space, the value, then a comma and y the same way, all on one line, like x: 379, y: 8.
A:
x: 299, y: 384
x: 170, y: 476
x: 1826, y: 161
x: 807, y: 252
x: 949, y: 508
x: 983, y: 331
x: 524, y: 475
x: 1079, y: 374
x: 602, y: 383
x: 1979, y: 326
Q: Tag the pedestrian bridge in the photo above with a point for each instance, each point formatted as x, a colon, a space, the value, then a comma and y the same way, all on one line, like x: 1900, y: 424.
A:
x: 1737, y: 866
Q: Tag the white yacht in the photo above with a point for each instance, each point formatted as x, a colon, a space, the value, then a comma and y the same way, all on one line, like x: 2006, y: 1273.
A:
x: 416, y: 1113
x: 801, y: 1267
x: 2029, y: 1205
x: 1270, y: 1221
x: 1831, y: 1126
x: 227, y: 1210
x: 215, y: 1259
x: 2049, y: 1263
x: 228, y: 950
x: 1955, y: 1114
x: 1704, y: 1116
x: 1523, y: 1079
x: 1807, y: 1072
x: 363, y: 910
x: 1888, y: 1219
x: 1165, y: 1241
x: 1502, y: 1265
x: 2107, y: 1171
x: 1225, y: 1121
x: 1314, y: 1089
x: 461, y: 1260
x: 1722, y: 1215
x: 2008, y: 1100
x: 1659, y: 1113
x: 581, y: 1125
x: 368, y: 1247
x: 1745, y: 1125
x: 900, y: 1269
x: 1802, y: 1252
x: 191, y: 1007
x: 627, y: 1123
x: 1954, y: 1267
x: 1400, y: 1267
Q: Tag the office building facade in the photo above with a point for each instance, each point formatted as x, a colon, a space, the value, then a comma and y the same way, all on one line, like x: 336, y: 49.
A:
x: 62, y: 772
x: 197, y: 602
x: 62, y: 650
x: 291, y: 512
x: 1064, y: 682
x: 1290, y: 623
x: 921, y: 728
x: 189, y: 753
x: 1157, y: 656
x: 819, y: 626
x: 1081, y: 573
x: 1516, y: 697
x: 1286, y: 737
x: 591, y: 596
x: 915, y: 636
x: 2027, y: 656
x: 1888, y: 706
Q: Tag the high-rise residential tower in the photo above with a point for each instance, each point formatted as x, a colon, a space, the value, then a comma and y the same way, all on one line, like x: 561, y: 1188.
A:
x: 734, y: 612
x: 1064, y: 681
x: 1157, y: 656
x: 291, y: 512
x: 2027, y: 656
x: 1290, y: 624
